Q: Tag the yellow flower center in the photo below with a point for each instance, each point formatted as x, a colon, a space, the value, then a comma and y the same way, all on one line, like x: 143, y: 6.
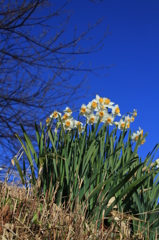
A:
x: 107, y: 101
x: 141, y: 133
x: 94, y: 104
x: 142, y: 142
x: 109, y: 120
x: 122, y: 125
x: 101, y: 114
x: 117, y: 110
x: 55, y: 114
x: 128, y: 120
x: 78, y: 124
x: 132, y: 119
x: 47, y: 120
x: 65, y: 116
x: 83, y: 109
x: 92, y: 119
x: 135, y: 114
x: 69, y: 110
x: 79, y: 128
x: 67, y: 123
x: 102, y: 107
x: 128, y: 125
x: 101, y: 100
x: 136, y: 138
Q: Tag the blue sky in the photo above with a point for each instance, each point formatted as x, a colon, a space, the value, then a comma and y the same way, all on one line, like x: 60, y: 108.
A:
x: 133, y: 48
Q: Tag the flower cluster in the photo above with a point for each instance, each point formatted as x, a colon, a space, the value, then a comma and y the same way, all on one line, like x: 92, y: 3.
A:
x: 98, y: 109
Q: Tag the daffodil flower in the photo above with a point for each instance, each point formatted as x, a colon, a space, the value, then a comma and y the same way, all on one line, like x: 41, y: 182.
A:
x: 108, y: 119
x: 66, y: 117
x: 157, y: 162
x: 47, y: 121
x: 136, y: 135
x: 93, y: 105
x: 91, y: 119
x: 99, y: 99
x: 122, y: 124
x: 55, y: 114
x: 78, y: 124
x: 81, y: 129
x: 68, y: 124
x: 107, y: 102
x: 68, y: 111
x: 135, y: 113
x: 116, y: 110
x: 102, y: 113
x: 84, y: 110
x: 127, y: 119
x: 132, y: 119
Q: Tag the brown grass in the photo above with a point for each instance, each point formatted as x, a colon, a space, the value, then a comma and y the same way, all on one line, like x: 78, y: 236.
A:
x: 25, y: 216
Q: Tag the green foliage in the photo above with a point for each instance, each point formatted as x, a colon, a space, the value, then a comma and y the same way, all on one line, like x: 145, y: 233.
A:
x: 94, y: 167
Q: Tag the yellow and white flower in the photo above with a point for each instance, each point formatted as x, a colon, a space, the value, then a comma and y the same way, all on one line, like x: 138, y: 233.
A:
x: 108, y: 119
x: 84, y: 110
x: 107, y: 102
x: 68, y: 124
x: 121, y: 124
x: 81, y: 129
x: 55, y: 114
x: 99, y: 99
x: 93, y: 105
x: 68, y: 111
x: 136, y: 135
x: 135, y: 113
x: 91, y: 119
x: 116, y: 110
x: 78, y: 124
x: 157, y: 162
x: 127, y: 119
x: 102, y: 113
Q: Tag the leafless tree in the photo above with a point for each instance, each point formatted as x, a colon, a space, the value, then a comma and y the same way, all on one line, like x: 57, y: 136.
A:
x: 37, y: 64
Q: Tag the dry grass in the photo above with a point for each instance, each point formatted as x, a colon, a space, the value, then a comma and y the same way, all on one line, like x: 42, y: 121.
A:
x: 24, y: 216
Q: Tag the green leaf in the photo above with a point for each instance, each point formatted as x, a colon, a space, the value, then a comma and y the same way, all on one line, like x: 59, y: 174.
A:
x: 19, y: 169
x: 29, y: 144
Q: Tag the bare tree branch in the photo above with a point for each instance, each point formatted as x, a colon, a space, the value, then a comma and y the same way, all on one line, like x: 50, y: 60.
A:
x: 37, y: 65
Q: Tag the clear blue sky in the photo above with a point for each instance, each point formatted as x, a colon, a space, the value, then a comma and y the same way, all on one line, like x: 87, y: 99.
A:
x: 133, y: 47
